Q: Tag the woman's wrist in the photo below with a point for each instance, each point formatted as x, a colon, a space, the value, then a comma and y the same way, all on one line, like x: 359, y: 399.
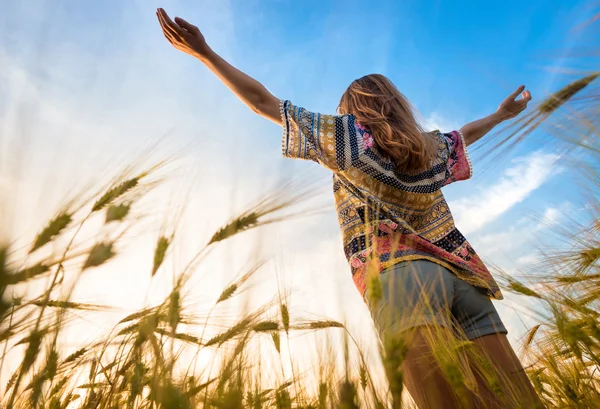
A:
x: 497, y: 118
x: 205, y: 54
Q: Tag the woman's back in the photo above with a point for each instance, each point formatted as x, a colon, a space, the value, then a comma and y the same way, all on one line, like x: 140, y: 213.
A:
x: 387, y: 216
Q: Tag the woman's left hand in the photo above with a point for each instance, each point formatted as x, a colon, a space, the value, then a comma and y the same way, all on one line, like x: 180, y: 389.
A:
x: 511, y: 106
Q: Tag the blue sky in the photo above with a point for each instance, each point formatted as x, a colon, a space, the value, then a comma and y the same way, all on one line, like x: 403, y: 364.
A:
x: 99, y: 81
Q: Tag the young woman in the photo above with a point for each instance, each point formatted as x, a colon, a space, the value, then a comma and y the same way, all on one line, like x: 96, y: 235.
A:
x: 387, y: 179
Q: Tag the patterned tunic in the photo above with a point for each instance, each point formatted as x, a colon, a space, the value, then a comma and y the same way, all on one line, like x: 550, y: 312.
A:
x: 385, y: 216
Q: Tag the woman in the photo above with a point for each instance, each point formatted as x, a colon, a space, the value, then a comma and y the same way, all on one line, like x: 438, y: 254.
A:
x: 394, y: 220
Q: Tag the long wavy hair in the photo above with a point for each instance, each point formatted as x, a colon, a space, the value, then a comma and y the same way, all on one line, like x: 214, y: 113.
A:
x: 376, y: 104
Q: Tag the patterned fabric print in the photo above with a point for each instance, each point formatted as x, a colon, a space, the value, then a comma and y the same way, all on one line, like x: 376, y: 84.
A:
x: 387, y: 217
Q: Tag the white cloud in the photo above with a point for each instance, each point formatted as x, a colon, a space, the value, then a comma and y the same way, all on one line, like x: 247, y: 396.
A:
x: 518, y: 182
x: 516, y: 248
x: 555, y: 215
x: 528, y: 259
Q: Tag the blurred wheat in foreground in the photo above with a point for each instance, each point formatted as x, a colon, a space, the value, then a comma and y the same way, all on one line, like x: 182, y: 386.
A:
x: 144, y: 362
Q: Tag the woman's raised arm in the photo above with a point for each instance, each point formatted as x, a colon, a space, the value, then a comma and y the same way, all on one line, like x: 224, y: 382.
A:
x: 188, y: 38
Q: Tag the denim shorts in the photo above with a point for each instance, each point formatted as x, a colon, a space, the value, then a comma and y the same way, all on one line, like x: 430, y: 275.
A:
x: 421, y: 292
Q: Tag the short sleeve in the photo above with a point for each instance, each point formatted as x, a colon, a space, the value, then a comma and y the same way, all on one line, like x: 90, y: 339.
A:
x: 458, y: 164
x: 325, y: 139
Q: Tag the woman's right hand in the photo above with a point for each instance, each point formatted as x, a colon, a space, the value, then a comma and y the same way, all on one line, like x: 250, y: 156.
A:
x: 511, y: 106
x: 182, y: 35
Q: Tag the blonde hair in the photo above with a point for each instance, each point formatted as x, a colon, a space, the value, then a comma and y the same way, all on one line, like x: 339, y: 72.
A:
x: 376, y: 104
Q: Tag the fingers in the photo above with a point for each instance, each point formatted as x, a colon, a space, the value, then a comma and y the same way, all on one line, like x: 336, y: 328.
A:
x: 164, y: 31
x: 169, y: 25
x: 165, y: 25
x: 187, y: 26
x: 517, y: 92
x: 525, y: 98
x: 170, y: 38
x: 169, y: 34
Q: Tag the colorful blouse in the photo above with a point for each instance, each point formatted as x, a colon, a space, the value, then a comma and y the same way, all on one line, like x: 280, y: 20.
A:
x: 385, y: 216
